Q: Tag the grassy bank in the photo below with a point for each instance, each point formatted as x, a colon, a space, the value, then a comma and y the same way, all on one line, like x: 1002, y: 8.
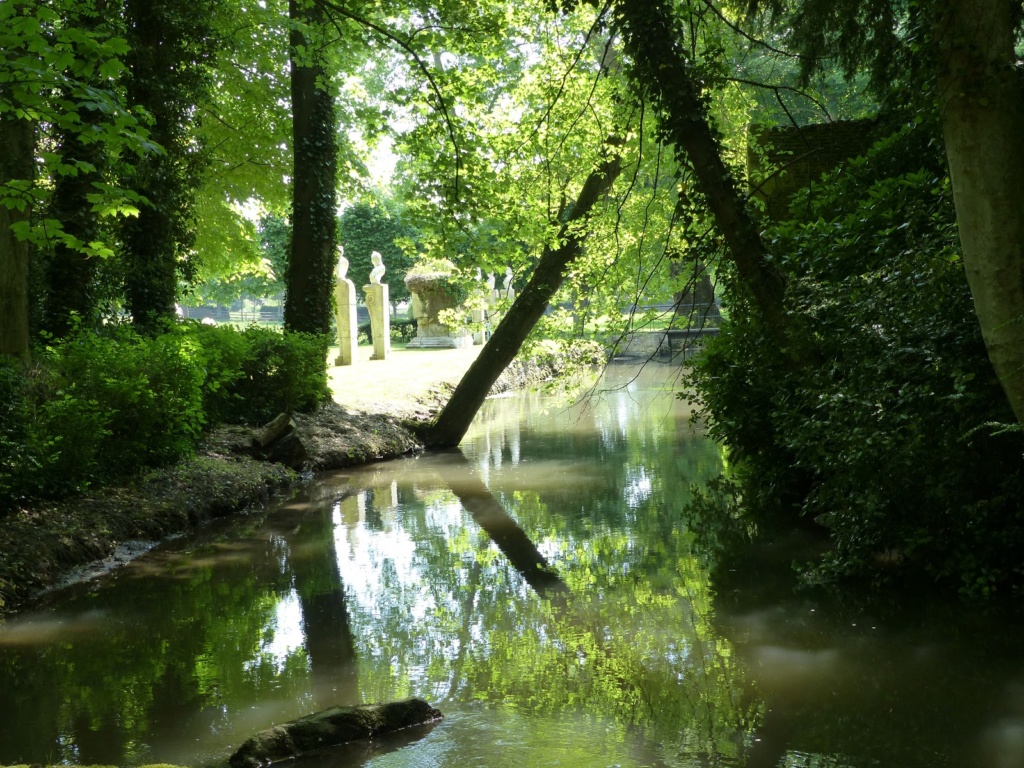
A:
x: 375, y: 405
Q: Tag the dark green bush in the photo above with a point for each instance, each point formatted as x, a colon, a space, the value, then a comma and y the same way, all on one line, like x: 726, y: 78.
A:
x: 14, y: 459
x: 140, y: 395
x: 884, y: 437
x: 402, y: 332
x: 255, y: 374
x: 97, y: 407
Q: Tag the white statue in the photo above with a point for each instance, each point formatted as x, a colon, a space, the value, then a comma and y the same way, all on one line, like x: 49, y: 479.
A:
x: 508, y: 279
x: 342, y: 270
x: 490, y: 281
x: 378, y: 268
x: 345, y: 311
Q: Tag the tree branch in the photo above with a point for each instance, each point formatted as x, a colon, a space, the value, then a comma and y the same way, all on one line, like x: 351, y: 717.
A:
x: 406, y: 46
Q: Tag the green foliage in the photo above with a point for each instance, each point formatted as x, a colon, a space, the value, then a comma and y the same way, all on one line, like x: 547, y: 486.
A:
x: 885, y: 438
x: 888, y: 43
x: 171, y: 46
x: 402, y: 332
x: 274, y: 236
x: 366, y: 227
x: 13, y: 430
x: 145, y: 390
x: 259, y: 277
x: 97, y: 407
x: 246, y: 130
x: 64, y: 77
x: 255, y: 374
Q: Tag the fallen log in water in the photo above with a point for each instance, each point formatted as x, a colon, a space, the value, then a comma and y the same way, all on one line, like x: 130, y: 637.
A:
x: 330, y: 728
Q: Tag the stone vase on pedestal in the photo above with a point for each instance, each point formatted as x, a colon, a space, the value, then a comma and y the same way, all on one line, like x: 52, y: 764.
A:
x: 432, y: 293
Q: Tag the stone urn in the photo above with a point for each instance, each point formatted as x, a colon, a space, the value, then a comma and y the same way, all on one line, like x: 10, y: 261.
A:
x: 433, y: 291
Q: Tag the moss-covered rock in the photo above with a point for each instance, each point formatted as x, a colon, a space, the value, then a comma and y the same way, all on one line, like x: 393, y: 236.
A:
x: 330, y: 728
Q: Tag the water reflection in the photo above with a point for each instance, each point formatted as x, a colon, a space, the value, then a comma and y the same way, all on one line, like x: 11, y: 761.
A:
x: 548, y: 587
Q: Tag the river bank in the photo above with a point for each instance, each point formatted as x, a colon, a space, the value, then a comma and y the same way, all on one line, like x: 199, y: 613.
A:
x: 373, y: 418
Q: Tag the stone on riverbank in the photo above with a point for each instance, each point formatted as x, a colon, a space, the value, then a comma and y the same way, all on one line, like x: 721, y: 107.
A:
x: 331, y: 728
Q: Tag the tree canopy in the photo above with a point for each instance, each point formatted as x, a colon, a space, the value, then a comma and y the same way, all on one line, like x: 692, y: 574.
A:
x: 369, y: 226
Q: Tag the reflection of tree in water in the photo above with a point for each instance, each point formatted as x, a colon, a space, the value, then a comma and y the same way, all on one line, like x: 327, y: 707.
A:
x: 622, y: 628
x: 329, y: 642
x: 189, y: 653
x: 98, y: 743
x: 374, y: 520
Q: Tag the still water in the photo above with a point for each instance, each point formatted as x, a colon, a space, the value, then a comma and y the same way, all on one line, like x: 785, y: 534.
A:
x: 550, y: 587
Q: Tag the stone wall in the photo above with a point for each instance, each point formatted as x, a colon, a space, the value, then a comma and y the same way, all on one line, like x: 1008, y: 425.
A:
x: 800, y: 155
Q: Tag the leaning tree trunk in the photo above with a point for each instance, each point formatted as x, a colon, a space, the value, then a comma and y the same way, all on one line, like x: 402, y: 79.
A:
x: 983, y: 128
x: 526, y: 310
x: 652, y: 37
x: 16, y: 164
x: 310, y: 276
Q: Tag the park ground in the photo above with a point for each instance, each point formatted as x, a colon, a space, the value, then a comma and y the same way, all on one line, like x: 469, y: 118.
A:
x: 54, y: 544
x: 402, y: 385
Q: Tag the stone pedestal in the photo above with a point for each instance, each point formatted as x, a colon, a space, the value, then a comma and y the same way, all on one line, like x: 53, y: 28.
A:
x: 380, y: 319
x: 479, y: 318
x: 498, y: 303
x: 345, y: 299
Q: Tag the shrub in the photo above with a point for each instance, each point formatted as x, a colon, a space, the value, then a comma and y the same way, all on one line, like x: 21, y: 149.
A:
x: 402, y: 332
x: 140, y: 395
x: 14, y: 459
x: 255, y: 374
x: 98, y: 406
x: 885, y: 439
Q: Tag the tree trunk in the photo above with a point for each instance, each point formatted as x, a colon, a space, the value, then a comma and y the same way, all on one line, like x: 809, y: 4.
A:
x: 651, y: 37
x: 71, y: 274
x: 17, y: 138
x: 983, y: 127
x: 310, y: 275
x: 526, y: 310
x: 695, y: 304
x: 170, y: 46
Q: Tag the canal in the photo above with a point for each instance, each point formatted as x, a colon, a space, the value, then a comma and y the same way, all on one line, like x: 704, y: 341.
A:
x: 564, y: 588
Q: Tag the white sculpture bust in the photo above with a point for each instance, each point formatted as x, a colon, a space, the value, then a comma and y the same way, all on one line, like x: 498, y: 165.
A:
x: 342, y: 269
x: 378, y: 268
x: 508, y: 279
x: 490, y: 281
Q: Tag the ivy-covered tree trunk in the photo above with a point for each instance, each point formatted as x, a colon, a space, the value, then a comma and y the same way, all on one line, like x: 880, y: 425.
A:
x: 170, y: 44
x: 526, y: 310
x: 17, y: 139
x: 309, y: 281
x: 983, y: 126
x: 653, y: 39
x: 71, y: 274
